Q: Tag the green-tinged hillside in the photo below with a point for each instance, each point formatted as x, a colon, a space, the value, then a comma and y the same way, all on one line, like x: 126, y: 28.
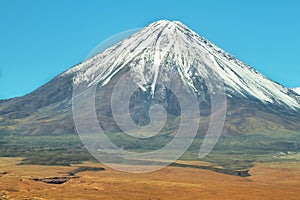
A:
x: 231, y: 152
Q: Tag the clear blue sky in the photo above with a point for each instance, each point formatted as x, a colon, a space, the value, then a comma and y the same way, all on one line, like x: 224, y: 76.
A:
x: 40, y: 39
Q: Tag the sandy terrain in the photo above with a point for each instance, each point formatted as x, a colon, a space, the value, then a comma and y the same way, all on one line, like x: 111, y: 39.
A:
x: 267, y: 181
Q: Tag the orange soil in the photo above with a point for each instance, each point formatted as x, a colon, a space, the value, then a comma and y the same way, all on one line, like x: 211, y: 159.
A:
x: 268, y: 181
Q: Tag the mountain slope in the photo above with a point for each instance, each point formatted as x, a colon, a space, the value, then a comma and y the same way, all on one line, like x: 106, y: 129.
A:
x: 297, y: 90
x: 255, y: 103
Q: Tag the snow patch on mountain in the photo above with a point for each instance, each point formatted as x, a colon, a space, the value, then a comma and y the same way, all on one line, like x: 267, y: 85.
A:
x: 165, y: 45
x: 297, y: 90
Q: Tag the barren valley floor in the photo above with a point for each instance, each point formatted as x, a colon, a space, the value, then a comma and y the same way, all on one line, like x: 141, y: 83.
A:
x: 267, y: 181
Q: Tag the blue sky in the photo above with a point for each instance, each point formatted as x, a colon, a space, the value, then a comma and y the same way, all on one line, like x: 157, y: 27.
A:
x: 40, y: 39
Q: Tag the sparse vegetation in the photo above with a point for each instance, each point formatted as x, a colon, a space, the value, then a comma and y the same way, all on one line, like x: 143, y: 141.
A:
x: 231, y: 152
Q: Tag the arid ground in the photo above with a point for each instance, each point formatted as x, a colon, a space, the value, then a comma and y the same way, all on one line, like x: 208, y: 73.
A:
x: 267, y: 181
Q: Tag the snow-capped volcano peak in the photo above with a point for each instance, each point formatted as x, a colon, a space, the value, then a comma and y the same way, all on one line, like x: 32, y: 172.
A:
x: 255, y: 103
x: 163, y: 45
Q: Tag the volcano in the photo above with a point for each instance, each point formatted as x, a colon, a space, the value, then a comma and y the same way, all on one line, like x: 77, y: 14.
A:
x: 254, y: 102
